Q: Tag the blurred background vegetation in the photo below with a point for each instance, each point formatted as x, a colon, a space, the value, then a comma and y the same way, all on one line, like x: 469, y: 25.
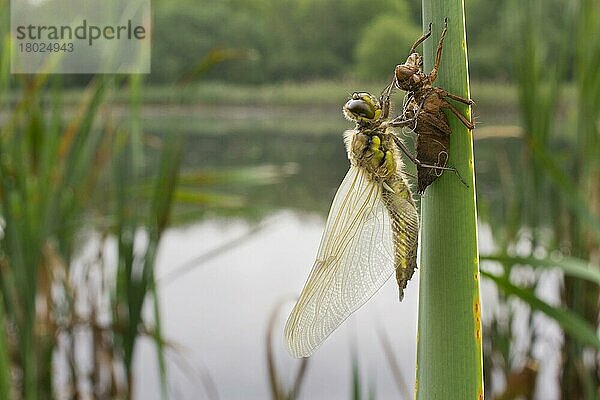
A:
x: 240, y: 118
x: 292, y: 40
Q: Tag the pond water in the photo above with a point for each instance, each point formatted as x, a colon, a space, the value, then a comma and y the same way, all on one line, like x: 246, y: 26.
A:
x: 215, y: 314
x: 218, y: 314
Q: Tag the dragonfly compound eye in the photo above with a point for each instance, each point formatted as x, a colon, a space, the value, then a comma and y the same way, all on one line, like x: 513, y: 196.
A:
x: 360, y: 109
x: 363, y: 107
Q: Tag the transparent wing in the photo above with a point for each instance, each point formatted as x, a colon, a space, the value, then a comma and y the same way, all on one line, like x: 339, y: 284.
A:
x: 355, y: 258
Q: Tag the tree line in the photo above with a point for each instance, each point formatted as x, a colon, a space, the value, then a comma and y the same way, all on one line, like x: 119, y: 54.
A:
x: 275, y: 40
x: 260, y: 41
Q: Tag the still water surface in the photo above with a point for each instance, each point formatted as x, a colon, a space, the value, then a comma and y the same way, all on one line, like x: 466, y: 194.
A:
x: 217, y: 315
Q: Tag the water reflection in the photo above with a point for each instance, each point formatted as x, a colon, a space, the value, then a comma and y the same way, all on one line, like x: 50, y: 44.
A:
x: 320, y: 163
x: 320, y: 159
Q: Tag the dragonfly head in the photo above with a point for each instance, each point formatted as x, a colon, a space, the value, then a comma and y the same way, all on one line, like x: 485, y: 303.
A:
x: 408, y: 76
x: 362, y: 107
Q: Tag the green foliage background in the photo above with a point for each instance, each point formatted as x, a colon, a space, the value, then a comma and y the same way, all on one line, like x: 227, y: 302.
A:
x: 285, y: 40
x: 384, y: 32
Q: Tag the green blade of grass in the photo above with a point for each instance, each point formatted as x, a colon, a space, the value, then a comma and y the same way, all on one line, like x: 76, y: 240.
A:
x: 569, y: 265
x: 449, y: 352
x: 356, y: 386
x: 159, y: 342
x: 159, y: 216
x: 569, y: 191
x: 4, y: 363
x: 570, y: 322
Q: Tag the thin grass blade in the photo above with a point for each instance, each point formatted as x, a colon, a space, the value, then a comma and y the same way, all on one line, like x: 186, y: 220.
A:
x: 570, y: 322
x: 569, y: 265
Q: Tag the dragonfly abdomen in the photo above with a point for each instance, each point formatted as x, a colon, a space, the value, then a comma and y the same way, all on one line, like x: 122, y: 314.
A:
x: 405, y: 228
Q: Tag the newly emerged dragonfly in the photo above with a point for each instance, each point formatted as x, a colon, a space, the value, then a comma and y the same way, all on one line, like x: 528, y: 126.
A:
x: 371, y: 231
x: 423, y: 114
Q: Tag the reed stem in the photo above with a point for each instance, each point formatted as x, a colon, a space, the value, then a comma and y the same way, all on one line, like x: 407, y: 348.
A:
x: 449, y: 352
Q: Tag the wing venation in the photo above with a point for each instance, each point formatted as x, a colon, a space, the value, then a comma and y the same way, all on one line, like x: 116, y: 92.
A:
x: 355, y: 258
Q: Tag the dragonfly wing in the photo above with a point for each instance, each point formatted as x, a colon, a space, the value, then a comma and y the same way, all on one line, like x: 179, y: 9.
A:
x: 355, y: 258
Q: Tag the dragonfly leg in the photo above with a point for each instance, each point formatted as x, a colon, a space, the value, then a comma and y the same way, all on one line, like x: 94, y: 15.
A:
x: 399, y: 122
x: 405, y: 150
x: 420, y: 40
x: 384, y: 99
x: 460, y: 116
x: 402, y: 122
x: 418, y: 163
x: 458, y: 98
x: 438, y: 54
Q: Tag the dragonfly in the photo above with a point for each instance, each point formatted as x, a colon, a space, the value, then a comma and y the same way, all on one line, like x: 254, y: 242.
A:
x: 423, y: 114
x: 371, y: 231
